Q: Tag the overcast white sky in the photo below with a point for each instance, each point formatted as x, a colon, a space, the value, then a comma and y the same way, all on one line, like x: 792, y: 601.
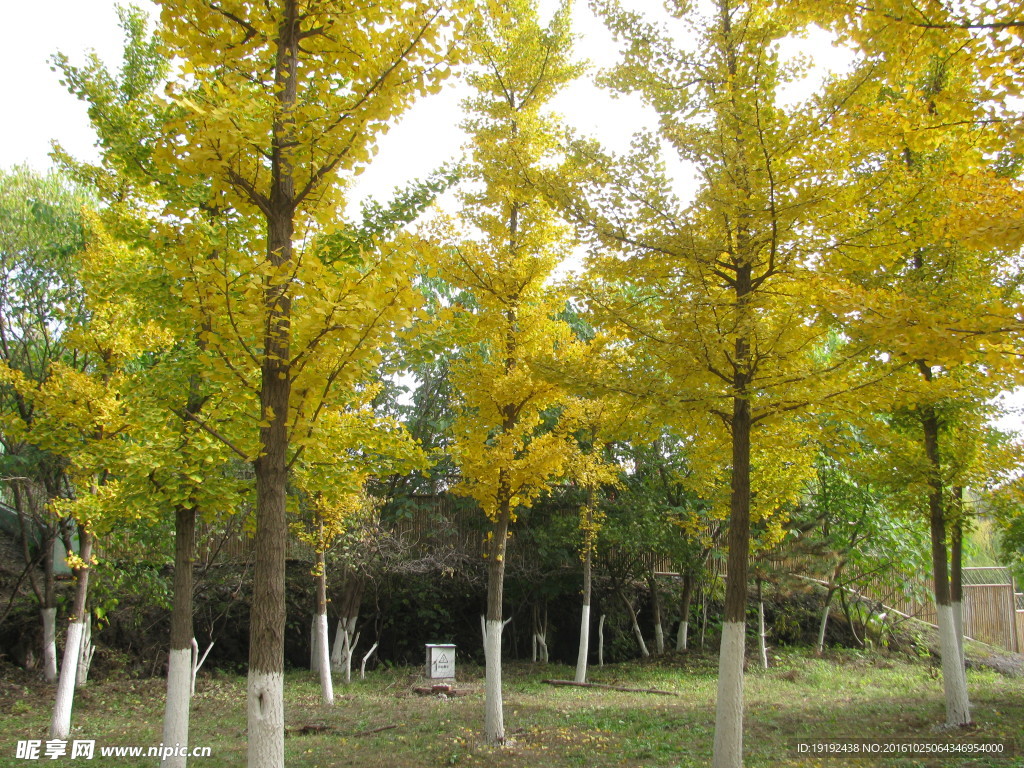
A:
x: 40, y: 109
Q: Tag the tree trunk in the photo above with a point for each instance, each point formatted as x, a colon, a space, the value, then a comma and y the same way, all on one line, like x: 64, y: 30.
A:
x: 323, y: 658
x: 60, y: 725
x: 86, y: 651
x: 820, y: 648
x: 728, y: 748
x: 704, y: 616
x: 728, y: 743
x: 956, y: 585
x: 600, y: 641
x: 540, y: 634
x: 266, y: 636
x: 494, y: 716
x: 762, y: 641
x: 181, y: 658
x: 584, y: 649
x: 659, y: 629
x: 49, y: 611
x: 47, y: 596
x: 352, y: 585
x: 637, y: 632
x: 682, y: 637
x: 345, y: 642
x: 49, y: 619
x: 266, y: 649
x: 954, y: 680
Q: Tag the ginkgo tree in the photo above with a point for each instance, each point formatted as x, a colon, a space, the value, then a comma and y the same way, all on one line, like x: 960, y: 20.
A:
x: 83, y: 414
x: 41, y: 231
x: 178, y: 467
x: 278, y: 103
x: 512, y: 432
x: 936, y: 301
x: 720, y: 300
x: 356, y: 445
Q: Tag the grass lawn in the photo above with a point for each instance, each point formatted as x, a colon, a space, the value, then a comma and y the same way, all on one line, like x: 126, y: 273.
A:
x: 381, y: 722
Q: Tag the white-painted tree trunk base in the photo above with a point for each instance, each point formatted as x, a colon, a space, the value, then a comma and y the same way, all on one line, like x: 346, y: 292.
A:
x: 683, y: 636
x: 600, y: 641
x: 729, y: 708
x: 820, y: 648
x: 542, y: 648
x: 344, y: 647
x: 60, y: 725
x: 85, y: 654
x: 49, y: 617
x: 366, y: 658
x: 762, y: 639
x: 336, y: 655
x: 584, y: 650
x: 323, y: 659
x: 176, y: 711
x: 958, y: 619
x: 659, y: 639
x: 314, y: 650
x: 494, y: 718
x: 350, y: 649
x: 266, y: 720
x: 954, y: 678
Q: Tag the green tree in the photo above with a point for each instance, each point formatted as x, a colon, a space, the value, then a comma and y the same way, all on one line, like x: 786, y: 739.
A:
x: 83, y: 413
x: 41, y: 230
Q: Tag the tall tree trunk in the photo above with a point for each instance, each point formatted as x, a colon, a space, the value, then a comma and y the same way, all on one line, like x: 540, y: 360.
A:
x: 588, y: 586
x: 266, y: 644
x: 322, y: 655
x: 49, y: 612
x: 728, y: 749
x: 956, y: 580
x: 682, y: 637
x: 494, y: 717
x: 60, y: 725
x: 600, y: 641
x: 954, y: 680
x: 266, y: 635
x: 728, y: 744
x: 180, y: 659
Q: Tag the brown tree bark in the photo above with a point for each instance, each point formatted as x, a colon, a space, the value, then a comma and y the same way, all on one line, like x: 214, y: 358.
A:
x: 266, y: 637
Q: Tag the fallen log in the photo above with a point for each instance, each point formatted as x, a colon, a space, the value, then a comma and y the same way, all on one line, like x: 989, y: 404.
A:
x: 622, y: 688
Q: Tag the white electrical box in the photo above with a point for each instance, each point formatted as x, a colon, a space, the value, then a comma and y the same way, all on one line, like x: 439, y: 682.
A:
x: 440, y: 662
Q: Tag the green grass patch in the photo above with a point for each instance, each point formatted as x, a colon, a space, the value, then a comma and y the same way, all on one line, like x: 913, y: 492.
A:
x: 382, y: 722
